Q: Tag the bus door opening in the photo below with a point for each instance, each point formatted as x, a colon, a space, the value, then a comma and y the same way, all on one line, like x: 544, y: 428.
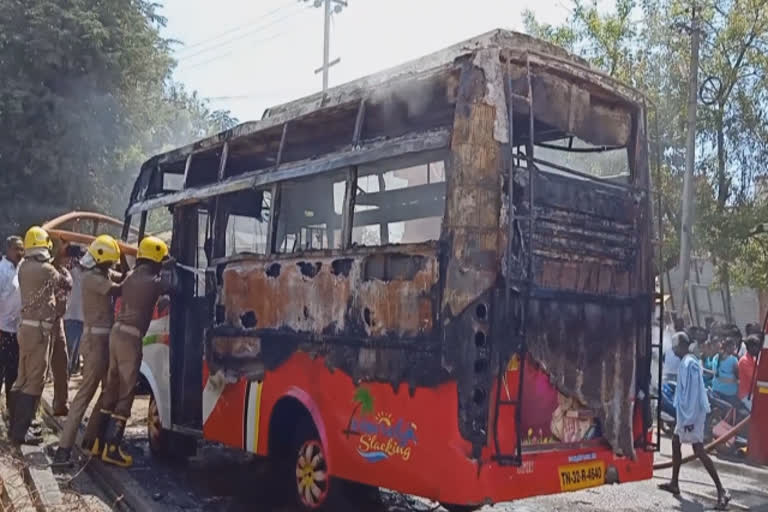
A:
x: 191, y: 314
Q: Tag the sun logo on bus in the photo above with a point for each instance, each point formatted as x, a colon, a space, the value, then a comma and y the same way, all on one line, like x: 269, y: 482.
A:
x: 384, y: 418
x: 380, y: 435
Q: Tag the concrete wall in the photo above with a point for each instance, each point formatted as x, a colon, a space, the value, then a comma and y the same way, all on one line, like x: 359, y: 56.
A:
x: 745, y: 303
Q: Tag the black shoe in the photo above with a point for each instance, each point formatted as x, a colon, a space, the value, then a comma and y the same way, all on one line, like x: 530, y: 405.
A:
x: 25, y: 408
x: 62, y: 457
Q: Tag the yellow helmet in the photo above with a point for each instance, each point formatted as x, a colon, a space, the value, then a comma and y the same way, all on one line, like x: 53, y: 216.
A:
x: 104, y: 250
x: 152, y: 248
x: 37, y: 238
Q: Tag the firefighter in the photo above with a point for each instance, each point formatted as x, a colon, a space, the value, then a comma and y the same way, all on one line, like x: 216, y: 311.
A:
x: 140, y: 291
x: 39, y: 281
x: 59, y: 359
x: 100, y: 284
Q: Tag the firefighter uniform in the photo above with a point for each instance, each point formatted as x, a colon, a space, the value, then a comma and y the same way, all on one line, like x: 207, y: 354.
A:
x: 59, y: 364
x: 39, y: 282
x: 140, y: 291
x: 99, y: 285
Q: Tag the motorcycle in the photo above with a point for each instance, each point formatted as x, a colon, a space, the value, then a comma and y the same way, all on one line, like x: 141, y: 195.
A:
x: 668, y: 413
x: 721, y: 409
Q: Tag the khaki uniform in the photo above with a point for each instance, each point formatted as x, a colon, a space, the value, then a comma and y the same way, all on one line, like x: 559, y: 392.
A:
x: 98, y: 288
x: 38, y: 284
x: 59, y: 361
x: 140, y: 292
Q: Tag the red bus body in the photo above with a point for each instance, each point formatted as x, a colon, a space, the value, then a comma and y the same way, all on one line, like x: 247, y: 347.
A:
x: 356, y: 264
x: 435, y: 461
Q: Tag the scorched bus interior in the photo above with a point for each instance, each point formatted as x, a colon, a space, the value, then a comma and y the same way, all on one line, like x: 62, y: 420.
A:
x: 374, y: 227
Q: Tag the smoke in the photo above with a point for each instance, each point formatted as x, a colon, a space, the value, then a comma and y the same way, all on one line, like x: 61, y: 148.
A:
x: 414, y: 98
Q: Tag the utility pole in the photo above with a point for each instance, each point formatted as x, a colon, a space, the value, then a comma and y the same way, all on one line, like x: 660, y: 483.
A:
x: 331, y: 7
x: 690, y: 160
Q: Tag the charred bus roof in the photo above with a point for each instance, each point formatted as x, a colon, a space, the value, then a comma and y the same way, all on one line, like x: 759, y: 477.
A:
x: 254, y: 146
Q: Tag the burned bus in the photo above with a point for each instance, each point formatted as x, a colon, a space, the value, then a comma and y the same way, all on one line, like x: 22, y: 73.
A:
x: 435, y: 279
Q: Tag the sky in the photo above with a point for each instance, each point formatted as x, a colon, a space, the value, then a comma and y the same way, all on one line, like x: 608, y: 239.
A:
x: 247, y: 55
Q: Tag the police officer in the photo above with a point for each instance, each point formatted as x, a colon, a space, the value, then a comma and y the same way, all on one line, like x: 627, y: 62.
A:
x: 99, y: 285
x: 140, y: 291
x: 39, y: 281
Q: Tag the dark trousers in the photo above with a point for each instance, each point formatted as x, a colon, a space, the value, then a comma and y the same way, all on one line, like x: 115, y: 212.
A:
x: 9, y: 363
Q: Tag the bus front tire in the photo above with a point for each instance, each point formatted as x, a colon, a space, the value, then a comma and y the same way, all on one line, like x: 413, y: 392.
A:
x: 157, y: 435
x: 165, y: 444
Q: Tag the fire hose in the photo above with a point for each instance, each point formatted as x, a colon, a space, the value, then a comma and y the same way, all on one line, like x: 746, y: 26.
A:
x: 714, y: 444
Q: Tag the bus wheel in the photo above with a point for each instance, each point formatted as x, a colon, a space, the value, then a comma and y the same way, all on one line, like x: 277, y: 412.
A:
x: 312, y: 478
x: 166, y: 444
x: 312, y: 486
x: 158, y: 437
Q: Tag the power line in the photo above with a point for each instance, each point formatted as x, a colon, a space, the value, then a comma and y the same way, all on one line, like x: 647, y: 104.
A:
x: 236, y: 28
x: 195, y: 65
x: 241, y: 36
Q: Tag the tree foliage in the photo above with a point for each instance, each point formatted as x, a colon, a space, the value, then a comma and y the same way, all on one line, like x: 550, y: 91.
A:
x: 86, y: 96
x: 647, y: 44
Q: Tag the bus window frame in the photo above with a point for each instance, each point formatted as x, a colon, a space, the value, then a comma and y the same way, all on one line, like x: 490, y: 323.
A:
x: 392, y: 163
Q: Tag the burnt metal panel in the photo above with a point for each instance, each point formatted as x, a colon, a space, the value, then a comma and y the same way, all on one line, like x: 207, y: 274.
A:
x: 589, y: 310
x: 473, y: 240
x: 371, y: 314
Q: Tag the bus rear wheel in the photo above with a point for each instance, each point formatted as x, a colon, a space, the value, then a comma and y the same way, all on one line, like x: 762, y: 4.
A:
x: 307, y: 480
x: 312, y: 478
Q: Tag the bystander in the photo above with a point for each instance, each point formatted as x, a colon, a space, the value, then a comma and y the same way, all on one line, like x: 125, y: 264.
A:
x: 73, y: 317
x: 10, y: 314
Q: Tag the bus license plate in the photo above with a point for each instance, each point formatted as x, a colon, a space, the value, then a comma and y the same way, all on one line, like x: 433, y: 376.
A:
x: 581, y: 476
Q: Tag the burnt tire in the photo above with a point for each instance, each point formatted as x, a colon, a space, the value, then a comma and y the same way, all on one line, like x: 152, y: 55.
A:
x: 156, y: 434
x: 165, y: 444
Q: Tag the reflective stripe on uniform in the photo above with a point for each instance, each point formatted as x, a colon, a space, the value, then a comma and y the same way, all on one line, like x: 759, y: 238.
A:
x: 97, y: 330
x: 37, y: 323
x: 128, y: 329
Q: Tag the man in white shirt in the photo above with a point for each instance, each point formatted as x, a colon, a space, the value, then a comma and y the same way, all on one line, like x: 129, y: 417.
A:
x: 670, y: 362
x: 73, y: 317
x: 10, y: 314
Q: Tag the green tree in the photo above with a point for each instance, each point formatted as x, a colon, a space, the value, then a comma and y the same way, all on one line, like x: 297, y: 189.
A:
x: 86, y: 96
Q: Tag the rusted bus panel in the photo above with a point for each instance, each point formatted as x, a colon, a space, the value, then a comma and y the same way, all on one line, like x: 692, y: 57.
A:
x: 589, y: 310
x: 384, y: 294
x: 580, y: 108
x: 588, y: 349
x: 471, y: 231
x: 473, y: 200
x: 587, y: 236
